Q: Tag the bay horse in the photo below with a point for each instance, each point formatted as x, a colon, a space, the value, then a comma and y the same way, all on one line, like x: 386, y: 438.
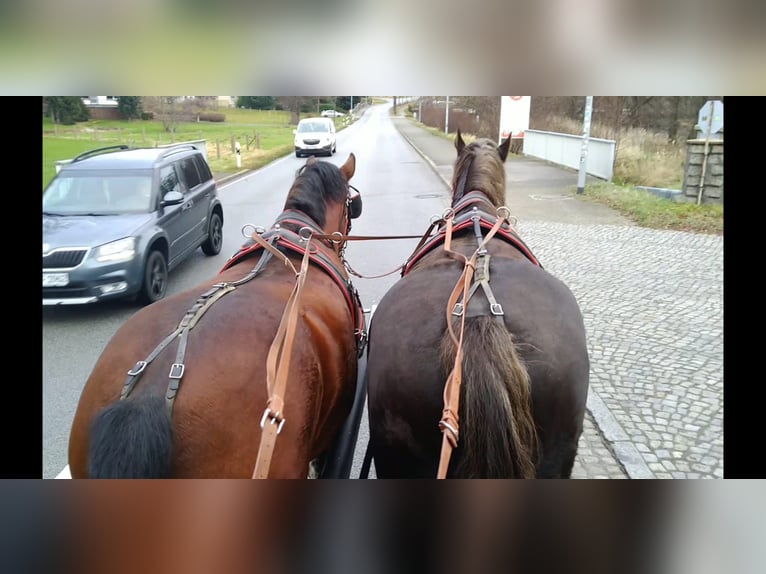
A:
x: 477, y: 363
x: 186, y: 385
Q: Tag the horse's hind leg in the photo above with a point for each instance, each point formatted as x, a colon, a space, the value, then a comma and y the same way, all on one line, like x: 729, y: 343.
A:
x: 558, y: 458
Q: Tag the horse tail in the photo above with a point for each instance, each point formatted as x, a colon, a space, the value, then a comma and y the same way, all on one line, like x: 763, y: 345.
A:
x: 497, y: 431
x: 132, y: 439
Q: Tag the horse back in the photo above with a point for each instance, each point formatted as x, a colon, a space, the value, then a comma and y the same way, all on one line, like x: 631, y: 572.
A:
x: 223, y: 391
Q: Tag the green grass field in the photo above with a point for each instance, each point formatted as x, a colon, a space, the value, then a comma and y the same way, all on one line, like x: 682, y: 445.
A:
x: 264, y: 135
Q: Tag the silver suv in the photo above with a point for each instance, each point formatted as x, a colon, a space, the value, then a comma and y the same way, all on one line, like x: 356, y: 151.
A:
x: 116, y: 220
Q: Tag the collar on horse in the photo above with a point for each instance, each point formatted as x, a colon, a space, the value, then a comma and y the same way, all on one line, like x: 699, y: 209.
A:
x: 471, y: 209
x: 321, y: 254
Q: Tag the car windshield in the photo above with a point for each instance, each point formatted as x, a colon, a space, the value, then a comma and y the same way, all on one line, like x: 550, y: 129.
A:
x: 305, y: 127
x: 100, y: 194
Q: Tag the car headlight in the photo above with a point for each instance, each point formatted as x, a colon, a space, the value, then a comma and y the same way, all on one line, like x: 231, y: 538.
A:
x: 120, y: 250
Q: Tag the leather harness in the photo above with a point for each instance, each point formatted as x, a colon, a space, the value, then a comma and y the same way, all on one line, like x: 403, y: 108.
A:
x: 278, y: 241
x: 471, y: 211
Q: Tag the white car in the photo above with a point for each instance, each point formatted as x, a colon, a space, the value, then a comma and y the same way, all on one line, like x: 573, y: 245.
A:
x: 315, y: 136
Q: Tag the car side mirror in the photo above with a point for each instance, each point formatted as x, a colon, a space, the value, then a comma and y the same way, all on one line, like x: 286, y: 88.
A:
x: 172, y: 198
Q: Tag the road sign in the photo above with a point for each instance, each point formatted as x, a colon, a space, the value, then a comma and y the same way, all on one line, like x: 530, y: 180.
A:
x: 514, y: 116
x: 710, y: 120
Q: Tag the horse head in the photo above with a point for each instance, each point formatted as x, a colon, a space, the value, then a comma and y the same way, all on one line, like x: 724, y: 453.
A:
x: 321, y: 190
x: 479, y: 167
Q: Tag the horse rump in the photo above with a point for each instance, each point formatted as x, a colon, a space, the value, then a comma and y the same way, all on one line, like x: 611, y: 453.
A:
x: 132, y: 438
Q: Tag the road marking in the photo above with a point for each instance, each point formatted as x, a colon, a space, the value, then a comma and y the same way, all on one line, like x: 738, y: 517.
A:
x: 550, y: 197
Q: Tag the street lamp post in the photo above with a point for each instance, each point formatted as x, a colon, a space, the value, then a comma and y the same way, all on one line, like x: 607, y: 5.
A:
x: 446, y: 116
x: 584, y: 149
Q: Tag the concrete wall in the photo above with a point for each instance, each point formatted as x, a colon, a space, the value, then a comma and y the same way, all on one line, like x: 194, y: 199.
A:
x: 564, y: 149
x: 712, y: 190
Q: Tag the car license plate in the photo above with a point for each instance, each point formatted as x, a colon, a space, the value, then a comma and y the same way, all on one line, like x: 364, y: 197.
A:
x: 55, y: 279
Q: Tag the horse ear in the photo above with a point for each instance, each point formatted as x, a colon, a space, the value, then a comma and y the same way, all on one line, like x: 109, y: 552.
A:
x: 311, y: 160
x: 349, y: 167
x: 459, y: 143
x: 504, y: 148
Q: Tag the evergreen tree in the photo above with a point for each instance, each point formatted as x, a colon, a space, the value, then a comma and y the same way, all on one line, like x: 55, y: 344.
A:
x: 129, y: 107
x: 67, y: 110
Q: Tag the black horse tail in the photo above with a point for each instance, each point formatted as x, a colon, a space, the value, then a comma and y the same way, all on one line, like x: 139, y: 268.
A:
x: 497, y: 436
x: 132, y: 439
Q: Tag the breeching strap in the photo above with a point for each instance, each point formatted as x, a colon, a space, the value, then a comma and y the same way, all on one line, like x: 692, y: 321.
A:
x: 278, y: 364
x: 449, y: 422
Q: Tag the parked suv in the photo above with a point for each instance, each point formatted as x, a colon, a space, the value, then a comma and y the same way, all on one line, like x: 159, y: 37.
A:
x: 314, y: 136
x: 116, y: 220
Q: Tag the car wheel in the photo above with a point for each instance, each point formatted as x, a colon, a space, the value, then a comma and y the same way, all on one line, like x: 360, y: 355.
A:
x: 155, y: 278
x: 212, y: 245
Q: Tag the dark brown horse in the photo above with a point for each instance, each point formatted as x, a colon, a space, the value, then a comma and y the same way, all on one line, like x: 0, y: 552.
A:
x: 515, y: 403
x: 186, y: 385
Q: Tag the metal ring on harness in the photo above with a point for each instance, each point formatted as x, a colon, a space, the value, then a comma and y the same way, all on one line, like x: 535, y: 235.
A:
x: 448, y: 213
x: 256, y: 229
x: 305, y: 236
x: 340, y: 238
x: 504, y: 210
x: 435, y: 219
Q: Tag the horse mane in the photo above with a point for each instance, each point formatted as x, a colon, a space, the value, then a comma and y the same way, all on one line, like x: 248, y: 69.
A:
x: 480, y: 163
x: 317, y: 184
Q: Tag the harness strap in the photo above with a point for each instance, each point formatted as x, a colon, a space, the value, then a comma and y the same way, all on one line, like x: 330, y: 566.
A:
x: 449, y: 423
x: 277, y: 371
x: 189, y: 321
x: 187, y: 324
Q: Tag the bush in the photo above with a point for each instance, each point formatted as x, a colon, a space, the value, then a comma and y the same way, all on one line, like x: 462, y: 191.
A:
x: 212, y: 117
x: 147, y: 115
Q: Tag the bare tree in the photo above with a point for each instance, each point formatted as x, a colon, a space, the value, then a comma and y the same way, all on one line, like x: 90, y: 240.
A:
x: 294, y: 105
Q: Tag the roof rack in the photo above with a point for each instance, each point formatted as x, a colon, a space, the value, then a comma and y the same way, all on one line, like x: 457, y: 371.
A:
x: 99, y: 151
x: 177, y: 148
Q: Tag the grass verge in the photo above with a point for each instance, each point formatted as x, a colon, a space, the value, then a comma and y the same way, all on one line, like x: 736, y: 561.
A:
x: 648, y: 210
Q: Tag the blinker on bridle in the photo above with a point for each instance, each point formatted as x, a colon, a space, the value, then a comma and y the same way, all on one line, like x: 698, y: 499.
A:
x: 354, y: 202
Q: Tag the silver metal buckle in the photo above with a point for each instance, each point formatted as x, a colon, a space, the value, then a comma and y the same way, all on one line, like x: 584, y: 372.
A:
x: 176, y: 371
x: 496, y: 309
x: 139, y: 366
x: 457, y: 310
x: 273, y: 417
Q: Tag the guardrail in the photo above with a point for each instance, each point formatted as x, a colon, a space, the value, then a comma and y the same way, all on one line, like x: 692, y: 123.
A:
x: 564, y: 149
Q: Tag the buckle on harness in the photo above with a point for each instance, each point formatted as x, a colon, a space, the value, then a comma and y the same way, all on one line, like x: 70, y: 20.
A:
x: 496, y: 309
x: 457, y: 310
x: 139, y: 366
x: 176, y: 371
x: 274, y: 417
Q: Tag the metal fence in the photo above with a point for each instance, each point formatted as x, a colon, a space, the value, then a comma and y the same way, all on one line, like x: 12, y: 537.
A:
x: 565, y: 149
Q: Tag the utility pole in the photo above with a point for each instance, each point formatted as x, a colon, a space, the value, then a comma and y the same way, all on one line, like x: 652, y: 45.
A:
x: 584, y: 148
x: 446, y: 116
